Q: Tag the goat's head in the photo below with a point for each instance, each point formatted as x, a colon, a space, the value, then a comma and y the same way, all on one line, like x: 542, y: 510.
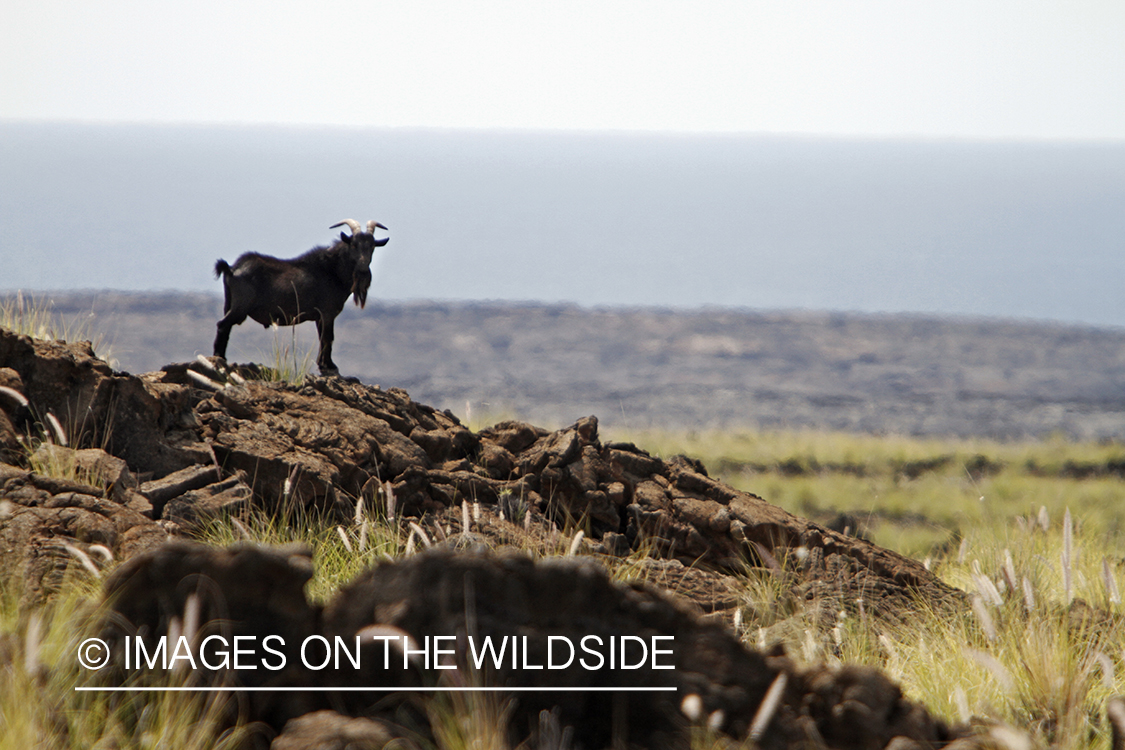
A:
x: 363, y: 244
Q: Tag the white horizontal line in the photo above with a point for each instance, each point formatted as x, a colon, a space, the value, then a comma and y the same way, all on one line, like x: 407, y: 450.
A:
x: 374, y: 688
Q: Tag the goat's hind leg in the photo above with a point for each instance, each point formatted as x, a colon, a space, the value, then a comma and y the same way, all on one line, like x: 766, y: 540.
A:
x: 222, y: 335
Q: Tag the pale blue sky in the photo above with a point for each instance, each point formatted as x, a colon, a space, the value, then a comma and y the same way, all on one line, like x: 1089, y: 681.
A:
x: 977, y: 69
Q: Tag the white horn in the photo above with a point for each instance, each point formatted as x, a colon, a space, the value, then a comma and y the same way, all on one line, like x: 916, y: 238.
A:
x: 352, y: 224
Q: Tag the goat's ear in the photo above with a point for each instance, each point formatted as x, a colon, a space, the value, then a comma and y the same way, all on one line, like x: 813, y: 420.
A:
x: 344, y: 237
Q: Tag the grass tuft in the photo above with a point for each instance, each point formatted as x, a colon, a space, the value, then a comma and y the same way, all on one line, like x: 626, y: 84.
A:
x: 34, y: 316
x: 288, y: 361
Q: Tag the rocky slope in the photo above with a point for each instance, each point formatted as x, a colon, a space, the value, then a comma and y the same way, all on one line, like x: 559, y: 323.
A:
x: 188, y: 447
x: 161, y: 452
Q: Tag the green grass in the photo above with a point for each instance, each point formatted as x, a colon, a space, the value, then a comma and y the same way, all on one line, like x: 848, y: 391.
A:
x: 340, y: 551
x: 1045, y: 663
x: 46, y: 459
x: 288, y: 361
x: 34, y: 317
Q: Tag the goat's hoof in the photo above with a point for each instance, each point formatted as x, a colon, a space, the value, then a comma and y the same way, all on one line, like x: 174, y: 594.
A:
x: 331, y: 373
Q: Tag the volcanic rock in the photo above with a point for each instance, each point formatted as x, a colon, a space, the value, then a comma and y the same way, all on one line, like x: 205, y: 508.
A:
x: 204, y: 444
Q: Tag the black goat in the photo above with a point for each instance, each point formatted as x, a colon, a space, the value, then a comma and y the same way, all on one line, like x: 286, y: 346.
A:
x: 313, y: 286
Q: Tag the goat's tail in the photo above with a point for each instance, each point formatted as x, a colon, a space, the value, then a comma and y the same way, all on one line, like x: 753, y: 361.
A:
x: 222, y: 268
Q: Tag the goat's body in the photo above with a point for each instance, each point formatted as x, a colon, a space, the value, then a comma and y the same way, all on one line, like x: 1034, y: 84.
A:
x: 313, y: 286
x: 295, y: 293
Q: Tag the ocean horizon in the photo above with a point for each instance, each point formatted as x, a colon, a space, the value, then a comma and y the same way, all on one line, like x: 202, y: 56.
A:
x: 962, y: 228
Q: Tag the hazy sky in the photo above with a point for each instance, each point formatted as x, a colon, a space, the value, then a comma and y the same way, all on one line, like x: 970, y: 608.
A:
x: 977, y: 68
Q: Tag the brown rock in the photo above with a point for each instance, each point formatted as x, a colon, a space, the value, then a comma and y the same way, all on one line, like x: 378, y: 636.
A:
x: 437, y: 444
x: 469, y: 485
x: 650, y: 496
x: 94, y: 464
x: 195, y: 507
x: 330, y: 441
x: 497, y: 460
x: 9, y: 378
x: 431, y: 594
x: 439, y: 593
x: 250, y: 591
x: 551, y: 451
x: 514, y: 437
x: 12, y: 410
x: 160, y: 491
x: 40, y: 532
x: 328, y: 730
x: 140, y: 422
x: 632, y: 461
x: 319, y: 445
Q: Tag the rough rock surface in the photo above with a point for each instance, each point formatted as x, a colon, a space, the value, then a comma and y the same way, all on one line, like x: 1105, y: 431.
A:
x: 47, y: 524
x: 192, y: 449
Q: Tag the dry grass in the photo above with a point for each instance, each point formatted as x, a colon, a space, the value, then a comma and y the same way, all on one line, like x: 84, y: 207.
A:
x: 34, y: 316
x: 40, y: 708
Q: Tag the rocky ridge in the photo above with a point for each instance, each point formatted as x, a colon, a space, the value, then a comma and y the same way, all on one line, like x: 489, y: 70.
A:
x: 162, y: 452
x: 172, y: 448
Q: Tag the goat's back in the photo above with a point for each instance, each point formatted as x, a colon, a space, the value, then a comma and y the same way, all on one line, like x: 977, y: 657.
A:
x: 250, y: 263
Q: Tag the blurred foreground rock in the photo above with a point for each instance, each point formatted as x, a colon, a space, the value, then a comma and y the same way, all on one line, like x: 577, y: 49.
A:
x: 252, y: 592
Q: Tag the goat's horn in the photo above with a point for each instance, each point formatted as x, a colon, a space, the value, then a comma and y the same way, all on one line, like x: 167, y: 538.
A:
x: 371, y: 225
x: 352, y: 224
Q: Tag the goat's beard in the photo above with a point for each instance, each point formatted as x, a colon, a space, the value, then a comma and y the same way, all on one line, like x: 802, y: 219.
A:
x: 361, y: 282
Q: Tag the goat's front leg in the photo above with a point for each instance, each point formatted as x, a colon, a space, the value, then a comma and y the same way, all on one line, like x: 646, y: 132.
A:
x: 326, y: 331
